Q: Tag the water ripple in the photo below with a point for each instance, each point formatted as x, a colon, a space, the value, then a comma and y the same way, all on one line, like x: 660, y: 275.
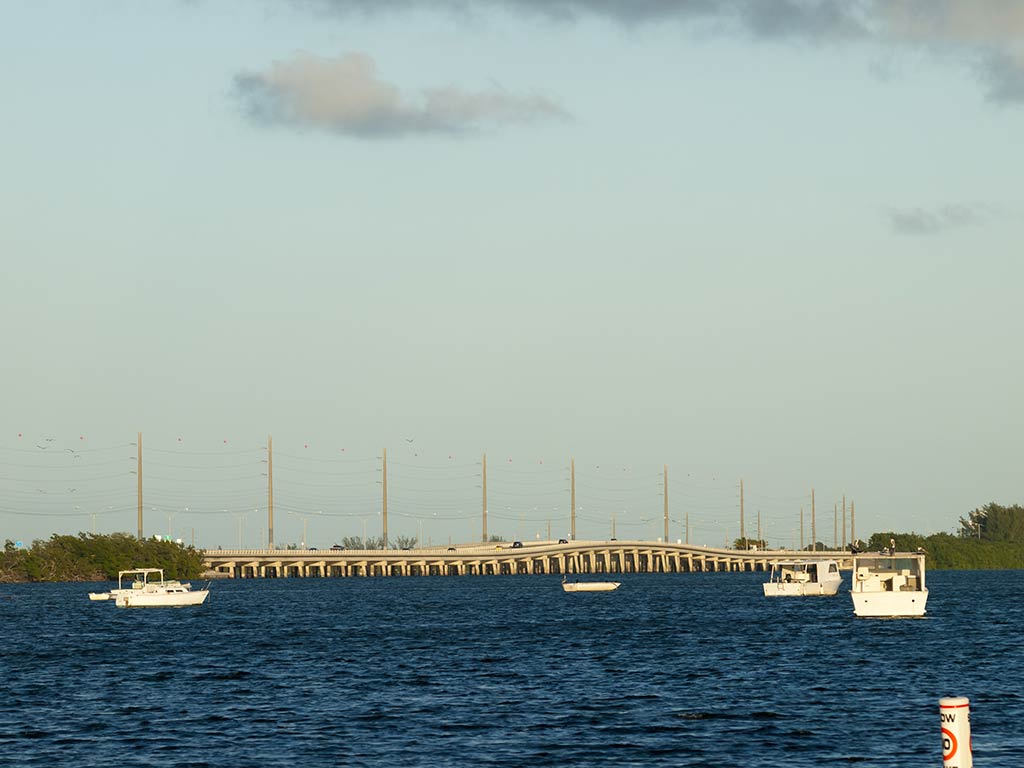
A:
x: 671, y: 670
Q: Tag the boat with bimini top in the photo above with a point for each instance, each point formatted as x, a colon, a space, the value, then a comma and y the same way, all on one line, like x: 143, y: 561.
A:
x: 147, y: 588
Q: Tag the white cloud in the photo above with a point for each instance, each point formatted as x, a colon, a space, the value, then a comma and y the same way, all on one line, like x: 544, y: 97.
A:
x: 345, y: 95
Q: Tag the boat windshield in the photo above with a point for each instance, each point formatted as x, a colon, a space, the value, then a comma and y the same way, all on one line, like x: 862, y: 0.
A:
x: 897, y: 564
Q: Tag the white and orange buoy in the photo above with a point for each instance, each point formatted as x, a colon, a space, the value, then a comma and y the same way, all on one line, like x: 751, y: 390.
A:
x: 955, y: 717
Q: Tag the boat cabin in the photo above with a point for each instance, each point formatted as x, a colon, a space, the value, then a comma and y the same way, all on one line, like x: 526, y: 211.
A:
x: 793, y: 578
x: 804, y: 572
x: 887, y: 573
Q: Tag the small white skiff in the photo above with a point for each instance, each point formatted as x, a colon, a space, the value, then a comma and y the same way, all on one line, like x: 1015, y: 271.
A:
x: 99, y: 596
x: 889, y: 585
x: 589, y: 586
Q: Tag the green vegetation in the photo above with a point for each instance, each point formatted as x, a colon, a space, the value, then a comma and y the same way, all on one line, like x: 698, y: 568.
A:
x: 356, y: 542
x: 91, y: 557
x: 990, y: 537
x: 994, y: 523
x: 749, y: 543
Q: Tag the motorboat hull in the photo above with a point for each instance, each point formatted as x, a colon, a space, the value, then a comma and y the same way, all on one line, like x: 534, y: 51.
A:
x: 806, y: 589
x: 143, y: 599
x: 889, y: 605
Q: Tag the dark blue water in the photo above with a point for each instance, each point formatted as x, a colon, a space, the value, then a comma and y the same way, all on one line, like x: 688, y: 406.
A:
x: 670, y: 670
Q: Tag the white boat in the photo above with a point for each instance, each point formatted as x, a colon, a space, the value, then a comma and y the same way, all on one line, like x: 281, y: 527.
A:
x: 889, y: 585
x: 798, y: 578
x: 99, y: 596
x: 589, y: 586
x: 148, y: 589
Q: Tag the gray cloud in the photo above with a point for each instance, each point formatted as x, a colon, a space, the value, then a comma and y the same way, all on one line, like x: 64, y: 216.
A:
x: 987, y: 35
x: 1004, y: 76
x: 345, y: 95
x: 763, y: 18
x: 921, y: 221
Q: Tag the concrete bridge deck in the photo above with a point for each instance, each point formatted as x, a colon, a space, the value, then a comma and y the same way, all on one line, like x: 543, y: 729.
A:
x: 547, y: 557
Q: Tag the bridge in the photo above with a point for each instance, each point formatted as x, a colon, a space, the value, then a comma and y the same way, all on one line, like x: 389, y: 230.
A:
x: 545, y: 557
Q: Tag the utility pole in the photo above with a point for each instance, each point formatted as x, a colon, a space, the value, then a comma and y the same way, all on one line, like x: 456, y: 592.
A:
x: 835, y: 526
x: 666, y: 508
x: 853, y: 533
x: 384, y: 508
x: 844, y: 522
x: 687, y: 527
x: 572, y: 497
x: 743, y: 530
x: 814, y: 526
x: 758, y: 528
x: 485, y: 499
x: 240, y: 517
x: 139, y: 473
x: 270, y: 492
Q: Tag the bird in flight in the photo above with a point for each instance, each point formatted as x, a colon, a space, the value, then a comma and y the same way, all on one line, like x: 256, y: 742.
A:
x: 409, y: 439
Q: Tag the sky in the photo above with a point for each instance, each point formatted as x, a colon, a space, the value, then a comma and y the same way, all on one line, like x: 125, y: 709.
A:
x: 775, y: 241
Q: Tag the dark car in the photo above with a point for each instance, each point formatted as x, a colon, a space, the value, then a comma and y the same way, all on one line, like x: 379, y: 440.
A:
x: 563, y: 541
x: 451, y: 549
x: 337, y: 548
x: 517, y: 545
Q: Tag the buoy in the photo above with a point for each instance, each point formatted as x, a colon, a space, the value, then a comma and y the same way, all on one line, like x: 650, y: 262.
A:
x: 955, y: 718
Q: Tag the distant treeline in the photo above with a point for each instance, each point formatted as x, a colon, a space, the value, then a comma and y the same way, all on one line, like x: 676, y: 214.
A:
x: 990, y: 537
x: 92, y: 557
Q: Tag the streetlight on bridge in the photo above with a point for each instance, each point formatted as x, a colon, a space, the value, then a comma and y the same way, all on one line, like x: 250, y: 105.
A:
x: 240, y: 517
x: 305, y: 518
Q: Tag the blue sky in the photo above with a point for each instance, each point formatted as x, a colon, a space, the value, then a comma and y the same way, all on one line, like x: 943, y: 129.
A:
x: 776, y: 241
